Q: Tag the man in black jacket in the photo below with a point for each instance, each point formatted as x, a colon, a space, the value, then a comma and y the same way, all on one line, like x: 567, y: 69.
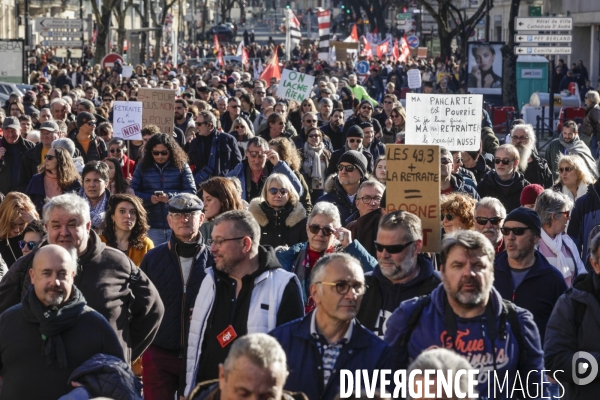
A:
x: 234, y: 110
x: 53, y: 316
x: 12, y: 149
x: 110, y: 282
x: 402, y: 273
x: 534, y: 168
x: 365, y: 113
x: 177, y: 270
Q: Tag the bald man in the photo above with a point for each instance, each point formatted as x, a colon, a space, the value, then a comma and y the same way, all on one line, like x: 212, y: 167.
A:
x: 52, y: 316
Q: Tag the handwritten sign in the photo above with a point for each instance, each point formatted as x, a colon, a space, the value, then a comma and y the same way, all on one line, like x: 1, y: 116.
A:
x: 127, y: 71
x: 295, y: 85
x: 414, y: 78
x: 158, y: 108
x: 453, y: 121
x: 127, y: 117
x: 413, y: 185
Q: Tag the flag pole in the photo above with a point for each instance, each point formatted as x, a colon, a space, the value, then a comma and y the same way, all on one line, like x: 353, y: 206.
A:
x: 288, y: 39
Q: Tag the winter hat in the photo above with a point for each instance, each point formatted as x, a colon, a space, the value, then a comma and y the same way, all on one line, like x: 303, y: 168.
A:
x: 84, y: 118
x: 355, y: 158
x: 366, y: 102
x: 527, y: 217
x: 355, y: 131
x: 530, y: 193
x: 472, y: 154
x: 230, y: 80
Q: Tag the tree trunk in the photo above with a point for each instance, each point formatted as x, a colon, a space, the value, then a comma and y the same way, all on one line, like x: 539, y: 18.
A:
x: 445, y: 43
x: 509, y: 67
x: 121, y: 33
x: 101, y: 38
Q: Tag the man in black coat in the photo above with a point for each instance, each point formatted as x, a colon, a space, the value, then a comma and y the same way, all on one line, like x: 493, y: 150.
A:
x: 365, y: 113
x: 12, y: 149
x: 534, y: 168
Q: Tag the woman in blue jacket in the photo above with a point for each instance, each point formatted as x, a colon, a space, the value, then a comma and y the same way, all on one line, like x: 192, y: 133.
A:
x: 162, y: 174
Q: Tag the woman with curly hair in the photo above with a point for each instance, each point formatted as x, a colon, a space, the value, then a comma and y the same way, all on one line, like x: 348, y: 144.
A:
x: 162, y: 174
x: 219, y: 195
x: 458, y: 212
x: 125, y: 227
x: 16, y: 212
x: 288, y: 153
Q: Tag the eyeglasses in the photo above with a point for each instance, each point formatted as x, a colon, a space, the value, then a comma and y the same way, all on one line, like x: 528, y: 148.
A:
x: 388, y: 102
x: 282, y: 191
x: 344, y: 287
x: 234, y: 106
x: 120, y: 151
x: 366, y: 107
x: 519, y: 138
x: 239, y: 127
x: 23, y: 243
x: 49, y: 157
x: 449, y: 217
x: 314, y: 135
x: 355, y: 140
x: 160, y: 153
x: 370, y: 200
x: 280, y: 123
x: 445, y: 161
x: 187, y: 215
x: 504, y: 161
x: 567, y: 214
x: 348, y: 168
x: 483, y: 221
x: 106, y: 100
x: 310, y: 121
x: 255, y: 154
x: 219, y: 242
x: 92, y: 123
x: 392, y: 248
x: 517, y: 231
x: 565, y: 169
x: 306, y: 105
x: 459, y: 161
x: 327, y: 231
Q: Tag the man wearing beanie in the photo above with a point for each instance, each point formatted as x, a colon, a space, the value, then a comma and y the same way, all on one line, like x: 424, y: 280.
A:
x: 91, y: 147
x: 474, y: 162
x: 529, y: 195
x: 364, y: 114
x: 354, y: 139
x: 523, y: 275
x: 341, y: 189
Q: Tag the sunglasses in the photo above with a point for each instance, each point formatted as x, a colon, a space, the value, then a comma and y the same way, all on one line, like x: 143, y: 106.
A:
x: 483, y: 221
x: 107, y: 100
x: 504, y: 161
x: 327, y: 231
x: 355, y: 140
x: 282, y: 191
x: 459, y: 160
x: 392, y: 248
x: 348, y: 168
x: 254, y: 154
x: 234, y: 106
x: 388, y: 102
x: 159, y: 153
x: 366, y: 107
x: 92, y: 123
x: 449, y: 217
x: 23, y: 243
x: 310, y: 121
x: 120, y: 151
x: 445, y: 161
x: 565, y: 169
x: 395, y: 116
x: 314, y: 135
x: 517, y: 231
x: 49, y: 157
x: 239, y: 127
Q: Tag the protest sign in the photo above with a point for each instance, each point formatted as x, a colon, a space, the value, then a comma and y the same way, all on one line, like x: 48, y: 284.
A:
x: 295, y: 85
x: 127, y: 71
x: 127, y: 117
x: 414, y: 78
x: 453, y: 121
x: 413, y: 185
x: 158, y: 108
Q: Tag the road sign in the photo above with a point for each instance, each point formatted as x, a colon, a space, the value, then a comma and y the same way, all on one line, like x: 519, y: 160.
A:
x: 543, y: 24
x: 62, y: 43
x: 44, y: 24
x: 58, y: 35
x: 413, y: 42
x: 109, y: 60
x: 62, y: 53
x: 543, y: 38
x: 362, y: 67
x: 404, y: 16
x: 542, y: 50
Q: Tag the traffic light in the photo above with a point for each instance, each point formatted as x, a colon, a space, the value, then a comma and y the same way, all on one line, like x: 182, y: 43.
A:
x: 348, y: 11
x: 287, y: 5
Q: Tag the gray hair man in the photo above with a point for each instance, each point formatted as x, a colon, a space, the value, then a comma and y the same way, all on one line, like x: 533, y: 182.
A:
x: 246, y: 292
x: 369, y: 209
x: 325, y: 109
x: 569, y: 143
x: 489, y: 214
x: 534, y: 168
x: 109, y: 281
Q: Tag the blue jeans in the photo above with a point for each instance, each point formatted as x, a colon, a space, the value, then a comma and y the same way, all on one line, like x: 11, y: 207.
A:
x: 159, y: 236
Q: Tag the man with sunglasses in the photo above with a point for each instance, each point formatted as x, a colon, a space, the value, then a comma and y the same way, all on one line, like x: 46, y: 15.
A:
x: 365, y: 112
x: 354, y: 141
x: 451, y: 182
x: 334, y: 129
x: 91, y: 146
x: 330, y: 339
x: 402, y: 272
x: 569, y: 143
x: 389, y: 100
x: 489, y: 214
x: 522, y: 274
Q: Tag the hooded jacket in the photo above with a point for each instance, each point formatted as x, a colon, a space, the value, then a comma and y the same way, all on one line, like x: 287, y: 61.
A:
x: 111, y: 284
x: 458, y: 185
x: 383, y: 297
x: 584, y: 217
x: 336, y: 195
x: 284, y: 227
x: 538, y: 292
x: 473, y: 341
x: 489, y: 187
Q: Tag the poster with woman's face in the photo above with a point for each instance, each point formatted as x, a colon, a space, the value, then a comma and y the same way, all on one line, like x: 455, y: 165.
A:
x: 485, y: 67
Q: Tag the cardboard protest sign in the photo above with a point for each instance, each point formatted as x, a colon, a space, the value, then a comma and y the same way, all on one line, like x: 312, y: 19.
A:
x: 453, y: 121
x: 295, y: 85
x: 158, y: 108
x: 413, y: 185
x: 127, y: 117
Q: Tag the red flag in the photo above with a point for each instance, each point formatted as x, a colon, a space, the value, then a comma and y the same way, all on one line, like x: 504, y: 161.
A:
x: 217, y: 45
x: 354, y: 34
x: 382, y: 49
x: 272, y: 69
x: 220, y: 60
x: 405, y: 49
x: 245, y: 57
x: 396, y: 51
x: 367, y: 52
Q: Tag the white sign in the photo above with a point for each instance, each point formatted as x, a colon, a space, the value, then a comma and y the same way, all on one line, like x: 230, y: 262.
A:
x: 59, y: 35
x: 44, y: 24
x: 127, y: 117
x: 531, y: 73
x: 127, y: 71
x: 543, y: 24
x: 414, y: 78
x: 542, y: 50
x: 543, y: 38
x: 62, y: 43
x: 453, y: 121
x: 295, y: 85
x: 11, y: 53
x: 62, y: 53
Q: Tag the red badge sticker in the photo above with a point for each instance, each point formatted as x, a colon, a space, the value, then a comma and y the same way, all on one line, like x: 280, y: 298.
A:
x: 227, y: 336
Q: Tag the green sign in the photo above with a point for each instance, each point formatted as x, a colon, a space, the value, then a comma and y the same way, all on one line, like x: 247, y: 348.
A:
x: 535, y: 11
x: 404, y: 16
x: 434, y: 46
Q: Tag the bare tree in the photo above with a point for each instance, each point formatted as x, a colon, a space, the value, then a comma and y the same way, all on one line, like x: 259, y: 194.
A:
x: 102, y: 17
x: 509, y: 67
x: 120, y: 15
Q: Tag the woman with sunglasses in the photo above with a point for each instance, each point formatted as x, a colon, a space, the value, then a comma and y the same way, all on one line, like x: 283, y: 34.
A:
x: 242, y: 133
x: 125, y: 227
x: 457, y: 212
x: 117, y: 149
x: 315, y: 160
x: 554, y: 209
x: 57, y: 175
x: 289, y: 154
x: 162, y: 173
x: 116, y: 180
x: 32, y: 235
x: 394, y: 125
x: 573, y: 177
x: 297, y: 115
x: 16, y: 212
x: 278, y: 211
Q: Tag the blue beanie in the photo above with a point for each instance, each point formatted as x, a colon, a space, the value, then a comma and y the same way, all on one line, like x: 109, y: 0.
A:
x: 527, y: 217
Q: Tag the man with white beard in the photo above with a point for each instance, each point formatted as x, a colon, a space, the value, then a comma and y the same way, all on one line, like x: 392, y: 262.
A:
x: 489, y: 214
x: 534, y: 168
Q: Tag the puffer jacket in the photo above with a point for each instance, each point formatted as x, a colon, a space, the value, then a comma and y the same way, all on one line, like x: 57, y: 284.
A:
x: 163, y: 267
x: 279, y: 227
x: 170, y: 180
x: 335, y: 194
x: 591, y: 122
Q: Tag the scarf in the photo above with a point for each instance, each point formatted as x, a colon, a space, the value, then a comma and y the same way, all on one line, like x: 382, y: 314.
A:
x: 313, y: 160
x: 188, y: 249
x: 581, y: 190
x: 578, y: 147
x: 52, y: 322
x: 555, y: 245
x: 96, y: 213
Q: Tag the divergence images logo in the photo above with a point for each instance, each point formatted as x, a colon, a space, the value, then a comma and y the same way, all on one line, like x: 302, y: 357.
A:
x: 581, y: 368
